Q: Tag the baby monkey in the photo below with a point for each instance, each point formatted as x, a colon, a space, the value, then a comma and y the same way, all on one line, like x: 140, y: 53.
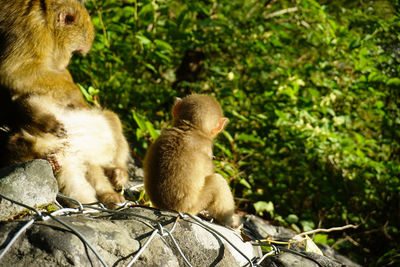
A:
x: 178, y: 168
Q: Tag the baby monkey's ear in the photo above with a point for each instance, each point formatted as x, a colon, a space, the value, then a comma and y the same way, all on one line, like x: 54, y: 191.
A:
x: 221, y: 125
x: 175, y: 109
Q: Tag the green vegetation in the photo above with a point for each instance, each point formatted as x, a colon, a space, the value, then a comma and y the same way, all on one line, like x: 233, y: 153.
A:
x: 312, y: 90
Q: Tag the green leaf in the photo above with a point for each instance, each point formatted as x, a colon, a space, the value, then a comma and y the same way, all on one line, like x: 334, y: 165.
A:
x: 249, y: 138
x: 228, y: 136
x: 292, y: 218
x: 162, y: 56
x: 153, y: 133
x: 307, y: 225
x: 224, y: 149
x: 145, y: 10
x: 84, y: 92
x: 239, y: 116
x: 143, y: 39
x: 393, y: 81
x: 281, y: 114
x: 375, y: 77
x: 262, y: 206
x: 163, y: 45
x: 140, y: 121
x: 321, y: 238
x: 151, y: 67
x: 245, y: 183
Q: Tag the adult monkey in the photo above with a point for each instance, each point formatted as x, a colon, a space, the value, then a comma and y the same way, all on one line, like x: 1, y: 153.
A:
x: 40, y: 105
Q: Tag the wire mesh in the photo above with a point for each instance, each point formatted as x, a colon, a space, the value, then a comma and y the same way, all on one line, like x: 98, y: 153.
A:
x: 157, y: 228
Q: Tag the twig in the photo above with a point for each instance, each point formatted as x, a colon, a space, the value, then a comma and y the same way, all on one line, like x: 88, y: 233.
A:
x: 355, y: 243
x: 338, y: 242
x: 380, y: 229
x: 281, y: 12
x: 385, y: 232
x: 326, y: 230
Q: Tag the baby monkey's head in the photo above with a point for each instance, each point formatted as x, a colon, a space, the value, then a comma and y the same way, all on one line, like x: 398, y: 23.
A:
x: 202, y: 112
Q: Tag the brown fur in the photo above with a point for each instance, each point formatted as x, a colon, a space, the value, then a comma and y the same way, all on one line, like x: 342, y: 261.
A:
x: 43, y: 113
x: 179, y: 172
x: 37, y: 40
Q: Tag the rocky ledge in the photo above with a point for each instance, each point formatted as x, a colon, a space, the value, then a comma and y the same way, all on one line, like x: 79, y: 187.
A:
x: 130, y: 236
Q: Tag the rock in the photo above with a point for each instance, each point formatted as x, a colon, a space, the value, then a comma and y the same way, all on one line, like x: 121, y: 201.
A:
x: 118, y: 237
x: 141, y: 232
x: 135, y: 170
x: 31, y: 183
x: 135, y: 186
x: 260, y: 229
x: 287, y: 259
x: 257, y: 228
x: 333, y: 254
x: 150, y: 236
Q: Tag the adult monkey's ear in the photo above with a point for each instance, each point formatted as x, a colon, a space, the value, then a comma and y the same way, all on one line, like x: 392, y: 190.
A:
x: 66, y: 18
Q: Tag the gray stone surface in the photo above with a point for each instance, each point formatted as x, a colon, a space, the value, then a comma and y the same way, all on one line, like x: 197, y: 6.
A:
x: 257, y: 228
x: 292, y: 260
x: 260, y: 229
x: 333, y: 254
x: 31, y: 183
x: 118, y: 237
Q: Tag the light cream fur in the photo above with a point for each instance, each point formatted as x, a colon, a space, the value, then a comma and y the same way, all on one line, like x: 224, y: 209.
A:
x: 90, y: 147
